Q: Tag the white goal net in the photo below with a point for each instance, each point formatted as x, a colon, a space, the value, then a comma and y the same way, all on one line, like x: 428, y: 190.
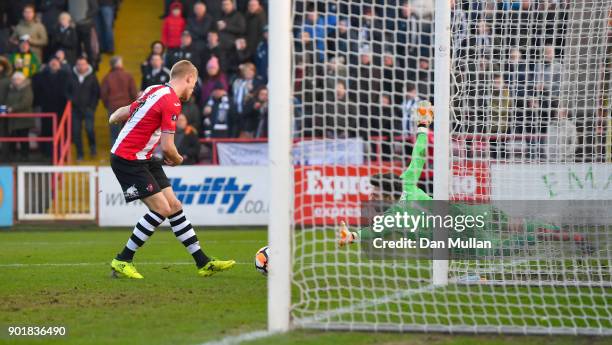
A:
x: 529, y: 145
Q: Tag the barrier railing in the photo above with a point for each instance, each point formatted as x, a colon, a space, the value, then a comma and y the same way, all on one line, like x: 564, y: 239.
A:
x: 56, y: 192
x: 61, y: 136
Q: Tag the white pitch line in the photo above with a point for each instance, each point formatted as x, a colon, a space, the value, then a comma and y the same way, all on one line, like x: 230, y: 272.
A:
x: 34, y: 243
x: 70, y: 264
x: 367, y: 304
x: 237, y: 339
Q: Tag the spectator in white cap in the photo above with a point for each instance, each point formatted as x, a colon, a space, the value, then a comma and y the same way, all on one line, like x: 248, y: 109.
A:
x: 19, y: 99
x: 25, y: 60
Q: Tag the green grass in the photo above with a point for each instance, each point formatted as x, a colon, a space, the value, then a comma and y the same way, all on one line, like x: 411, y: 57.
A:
x: 405, y: 300
x: 61, y: 277
x: 172, y: 305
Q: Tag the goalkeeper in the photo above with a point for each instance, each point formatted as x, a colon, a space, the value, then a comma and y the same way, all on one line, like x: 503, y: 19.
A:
x: 522, y: 232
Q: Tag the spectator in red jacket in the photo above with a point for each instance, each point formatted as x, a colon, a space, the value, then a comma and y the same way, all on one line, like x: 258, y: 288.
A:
x: 174, y: 25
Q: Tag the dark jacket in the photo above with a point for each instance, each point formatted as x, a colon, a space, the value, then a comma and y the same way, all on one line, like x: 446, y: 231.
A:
x: 199, y: 30
x: 114, y: 3
x: 209, y: 52
x: 5, y: 82
x: 150, y: 78
x: 234, y: 58
x: 20, y: 101
x: 67, y: 41
x: 183, y: 53
x: 84, y: 94
x: 50, y: 90
x: 50, y: 10
x: 214, y: 9
x: 187, y: 144
x: 255, y: 111
x: 193, y: 112
x: 261, y: 60
x: 218, y: 121
x: 118, y: 89
x: 83, y: 12
x: 255, y: 23
x: 235, y: 27
x: 5, y: 75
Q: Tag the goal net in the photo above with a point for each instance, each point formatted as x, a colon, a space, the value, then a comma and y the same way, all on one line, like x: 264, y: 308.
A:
x: 528, y: 145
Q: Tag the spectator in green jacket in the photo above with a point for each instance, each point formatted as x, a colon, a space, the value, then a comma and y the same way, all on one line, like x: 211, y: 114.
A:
x: 25, y: 61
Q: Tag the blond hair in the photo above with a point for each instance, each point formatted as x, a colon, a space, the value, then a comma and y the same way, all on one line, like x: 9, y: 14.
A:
x: 182, y: 69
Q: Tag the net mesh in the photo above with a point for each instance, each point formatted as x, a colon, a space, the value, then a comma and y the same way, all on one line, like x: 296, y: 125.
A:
x: 530, y: 135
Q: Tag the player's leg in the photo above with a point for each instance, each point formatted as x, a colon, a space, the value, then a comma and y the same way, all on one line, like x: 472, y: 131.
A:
x: 182, y: 228
x: 144, y: 229
x: 138, y: 183
x: 158, y: 211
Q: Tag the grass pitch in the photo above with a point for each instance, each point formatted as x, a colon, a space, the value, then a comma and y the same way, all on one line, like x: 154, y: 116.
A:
x: 61, y: 277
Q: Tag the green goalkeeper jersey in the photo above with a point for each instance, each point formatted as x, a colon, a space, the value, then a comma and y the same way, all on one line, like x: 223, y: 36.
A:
x: 493, y: 218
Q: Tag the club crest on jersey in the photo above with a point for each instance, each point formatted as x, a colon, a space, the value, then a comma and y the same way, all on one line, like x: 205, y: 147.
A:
x: 149, y: 187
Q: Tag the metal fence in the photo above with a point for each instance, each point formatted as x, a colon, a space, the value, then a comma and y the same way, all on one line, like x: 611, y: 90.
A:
x: 56, y: 192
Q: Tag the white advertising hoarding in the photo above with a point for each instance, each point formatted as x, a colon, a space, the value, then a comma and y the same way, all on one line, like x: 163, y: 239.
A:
x: 243, y: 153
x: 349, y: 151
x: 329, y: 151
x: 211, y: 195
x: 568, y: 193
x: 570, y: 181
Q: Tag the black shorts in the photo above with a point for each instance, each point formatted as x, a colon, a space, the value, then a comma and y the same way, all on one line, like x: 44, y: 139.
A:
x: 139, y: 179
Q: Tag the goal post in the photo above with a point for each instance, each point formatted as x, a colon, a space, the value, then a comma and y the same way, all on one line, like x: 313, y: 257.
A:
x: 521, y: 94
x: 442, y: 167
x: 281, y: 169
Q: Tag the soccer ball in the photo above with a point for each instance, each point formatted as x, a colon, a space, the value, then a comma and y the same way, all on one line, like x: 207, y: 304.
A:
x: 261, y: 260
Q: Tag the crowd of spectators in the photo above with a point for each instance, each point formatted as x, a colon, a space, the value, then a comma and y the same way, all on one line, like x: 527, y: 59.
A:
x: 53, y: 52
x: 359, y: 67
x: 227, y: 41
x: 49, y: 52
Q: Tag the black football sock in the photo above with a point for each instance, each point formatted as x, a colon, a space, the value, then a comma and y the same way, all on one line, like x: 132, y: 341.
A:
x: 143, y: 230
x: 186, y: 235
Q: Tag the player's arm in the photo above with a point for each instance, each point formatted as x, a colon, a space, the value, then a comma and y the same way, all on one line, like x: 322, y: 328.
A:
x: 170, y: 113
x: 410, y: 177
x: 171, y: 155
x: 120, y: 115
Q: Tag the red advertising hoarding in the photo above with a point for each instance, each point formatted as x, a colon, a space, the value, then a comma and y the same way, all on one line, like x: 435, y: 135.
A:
x: 327, y: 194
